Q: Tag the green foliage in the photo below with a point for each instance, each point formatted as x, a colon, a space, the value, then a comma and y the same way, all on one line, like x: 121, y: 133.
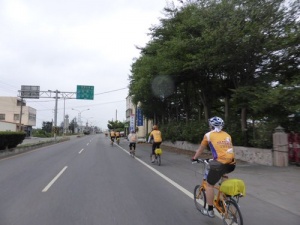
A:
x: 236, y: 59
x: 41, y: 133
x: 192, y: 131
x: 47, y: 126
x: 116, y: 125
x: 11, y: 139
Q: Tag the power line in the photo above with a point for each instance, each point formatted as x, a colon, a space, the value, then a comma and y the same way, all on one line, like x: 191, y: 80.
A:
x: 110, y: 91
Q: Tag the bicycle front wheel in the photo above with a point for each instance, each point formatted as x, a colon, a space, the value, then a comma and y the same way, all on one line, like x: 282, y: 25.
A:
x: 199, y: 197
x: 233, y: 215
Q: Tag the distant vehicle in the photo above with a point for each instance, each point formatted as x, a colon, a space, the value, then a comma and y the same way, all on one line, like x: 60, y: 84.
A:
x: 122, y: 134
x: 86, y: 132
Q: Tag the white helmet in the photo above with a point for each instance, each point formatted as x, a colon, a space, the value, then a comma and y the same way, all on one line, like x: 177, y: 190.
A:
x: 216, y: 122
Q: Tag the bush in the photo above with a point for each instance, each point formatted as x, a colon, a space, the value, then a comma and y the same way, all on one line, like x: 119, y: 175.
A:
x: 41, y: 133
x: 11, y: 139
x: 192, y: 131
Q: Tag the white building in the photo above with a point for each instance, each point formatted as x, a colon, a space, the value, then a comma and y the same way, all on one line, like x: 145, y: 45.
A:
x: 137, y: 121
x: 10, y: 110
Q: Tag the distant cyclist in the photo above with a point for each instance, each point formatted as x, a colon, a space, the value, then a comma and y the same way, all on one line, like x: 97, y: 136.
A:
x: 155, y: 135
x: 117, y: 136
x: 133, y: 138
x: 221, y: 147
x: 112, y: 136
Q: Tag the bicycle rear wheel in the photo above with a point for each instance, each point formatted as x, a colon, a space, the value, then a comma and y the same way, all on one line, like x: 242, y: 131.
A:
x: 233, y: 215
x: 199, y: 197
x: 158, y: 159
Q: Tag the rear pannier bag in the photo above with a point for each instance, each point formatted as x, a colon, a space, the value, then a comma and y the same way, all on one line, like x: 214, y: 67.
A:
x: 233, y: 187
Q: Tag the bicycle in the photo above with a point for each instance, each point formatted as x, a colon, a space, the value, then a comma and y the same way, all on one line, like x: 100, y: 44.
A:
x: 112, y: 141
x: 132, y: 152
x: 118, y: 140
x: 158, y: 153
x: 227, y: 197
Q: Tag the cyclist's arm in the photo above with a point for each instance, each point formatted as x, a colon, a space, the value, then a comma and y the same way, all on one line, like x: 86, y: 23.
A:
x: 199, y: 151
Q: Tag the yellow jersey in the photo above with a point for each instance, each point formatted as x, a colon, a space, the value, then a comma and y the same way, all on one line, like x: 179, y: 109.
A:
x: 156, y: 135
x: 220, y: 145
x: 112, y: 134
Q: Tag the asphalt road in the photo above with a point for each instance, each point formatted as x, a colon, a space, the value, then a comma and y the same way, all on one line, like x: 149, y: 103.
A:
x: 87, y: 181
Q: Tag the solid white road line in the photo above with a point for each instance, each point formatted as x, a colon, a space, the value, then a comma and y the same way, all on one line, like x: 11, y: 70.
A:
x: 179, y: 187
x: 80, y: 151
x: 54, y: 179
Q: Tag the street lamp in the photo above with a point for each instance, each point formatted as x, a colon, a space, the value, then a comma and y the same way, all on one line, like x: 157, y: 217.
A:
x: 79, y: 116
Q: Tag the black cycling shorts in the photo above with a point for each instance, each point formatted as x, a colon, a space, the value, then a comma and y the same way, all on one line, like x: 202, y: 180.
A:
x: 217, y: 170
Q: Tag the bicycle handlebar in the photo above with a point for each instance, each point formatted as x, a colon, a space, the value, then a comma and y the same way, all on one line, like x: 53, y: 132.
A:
x: 205, y: 161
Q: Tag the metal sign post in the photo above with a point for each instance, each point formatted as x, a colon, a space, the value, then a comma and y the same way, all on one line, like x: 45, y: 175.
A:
x: 28, y: 91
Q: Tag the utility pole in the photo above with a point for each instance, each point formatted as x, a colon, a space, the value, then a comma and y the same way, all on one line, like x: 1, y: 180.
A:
x: 21, y: 112
x: 55, y: 115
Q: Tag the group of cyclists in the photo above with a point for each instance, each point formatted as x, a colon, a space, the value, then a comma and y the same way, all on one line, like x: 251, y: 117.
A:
x: 218, y: 141
x: 154, y: 137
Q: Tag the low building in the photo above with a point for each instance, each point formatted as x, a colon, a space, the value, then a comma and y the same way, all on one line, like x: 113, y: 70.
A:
x: 10, y: 110
x: 137, y: 121
x: 8, y: 126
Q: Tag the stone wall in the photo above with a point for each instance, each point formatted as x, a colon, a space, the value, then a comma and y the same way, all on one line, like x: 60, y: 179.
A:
x: 251, y: 155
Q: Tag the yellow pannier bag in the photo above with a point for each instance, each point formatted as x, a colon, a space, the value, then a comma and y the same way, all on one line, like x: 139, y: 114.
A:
x: 158, y: 151
x: 233, y: 187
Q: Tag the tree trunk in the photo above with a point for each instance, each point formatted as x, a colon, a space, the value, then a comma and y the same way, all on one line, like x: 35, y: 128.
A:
x: 244, y: 125
x: 226, y: 105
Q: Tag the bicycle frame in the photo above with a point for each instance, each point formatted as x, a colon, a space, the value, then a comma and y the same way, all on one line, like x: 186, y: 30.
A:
x: 219, y: 199
x: 226, y: 205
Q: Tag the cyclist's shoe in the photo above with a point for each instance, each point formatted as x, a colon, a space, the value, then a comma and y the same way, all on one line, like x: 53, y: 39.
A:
x: 209, y: 213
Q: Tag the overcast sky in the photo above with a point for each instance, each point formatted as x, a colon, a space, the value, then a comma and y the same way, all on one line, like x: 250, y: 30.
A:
x: 59, y: 44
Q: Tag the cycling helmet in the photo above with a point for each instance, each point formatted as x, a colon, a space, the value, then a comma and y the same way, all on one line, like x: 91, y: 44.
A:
x: 155, y: 127
x: 216, y: 122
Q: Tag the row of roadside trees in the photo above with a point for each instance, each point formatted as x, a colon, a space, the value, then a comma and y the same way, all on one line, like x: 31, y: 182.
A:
x: 231, y: 58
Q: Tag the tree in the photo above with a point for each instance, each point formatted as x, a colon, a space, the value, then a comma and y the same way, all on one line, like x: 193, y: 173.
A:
x: 47, y: 127
x: 225, y: 57
x: 73, y: 124
x: 115, y: 125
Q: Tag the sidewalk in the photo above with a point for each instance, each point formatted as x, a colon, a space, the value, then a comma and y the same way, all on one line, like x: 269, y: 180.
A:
x: 276, y: 185
x: 280, y: 186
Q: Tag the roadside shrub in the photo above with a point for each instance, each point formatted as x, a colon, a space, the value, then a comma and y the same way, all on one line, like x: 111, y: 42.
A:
x: 41, y: 133
x: 191, y: 131
x: 11, y: 139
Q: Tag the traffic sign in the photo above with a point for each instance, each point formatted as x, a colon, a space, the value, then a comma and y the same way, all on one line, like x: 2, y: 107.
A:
x: 85, y: 92
x: 28, y: 91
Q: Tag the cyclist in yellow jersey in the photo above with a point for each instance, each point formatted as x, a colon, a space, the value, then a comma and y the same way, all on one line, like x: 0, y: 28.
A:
x: 221, y: 147
x: 155, y: 135
x: 112, y: 135
x: 117, y: 134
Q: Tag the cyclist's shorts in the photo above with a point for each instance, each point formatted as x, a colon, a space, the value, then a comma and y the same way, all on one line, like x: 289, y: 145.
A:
x: 217, y: 170
x: 112, y: 138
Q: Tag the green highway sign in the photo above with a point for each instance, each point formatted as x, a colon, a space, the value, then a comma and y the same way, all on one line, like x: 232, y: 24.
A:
x: 85, y: 92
